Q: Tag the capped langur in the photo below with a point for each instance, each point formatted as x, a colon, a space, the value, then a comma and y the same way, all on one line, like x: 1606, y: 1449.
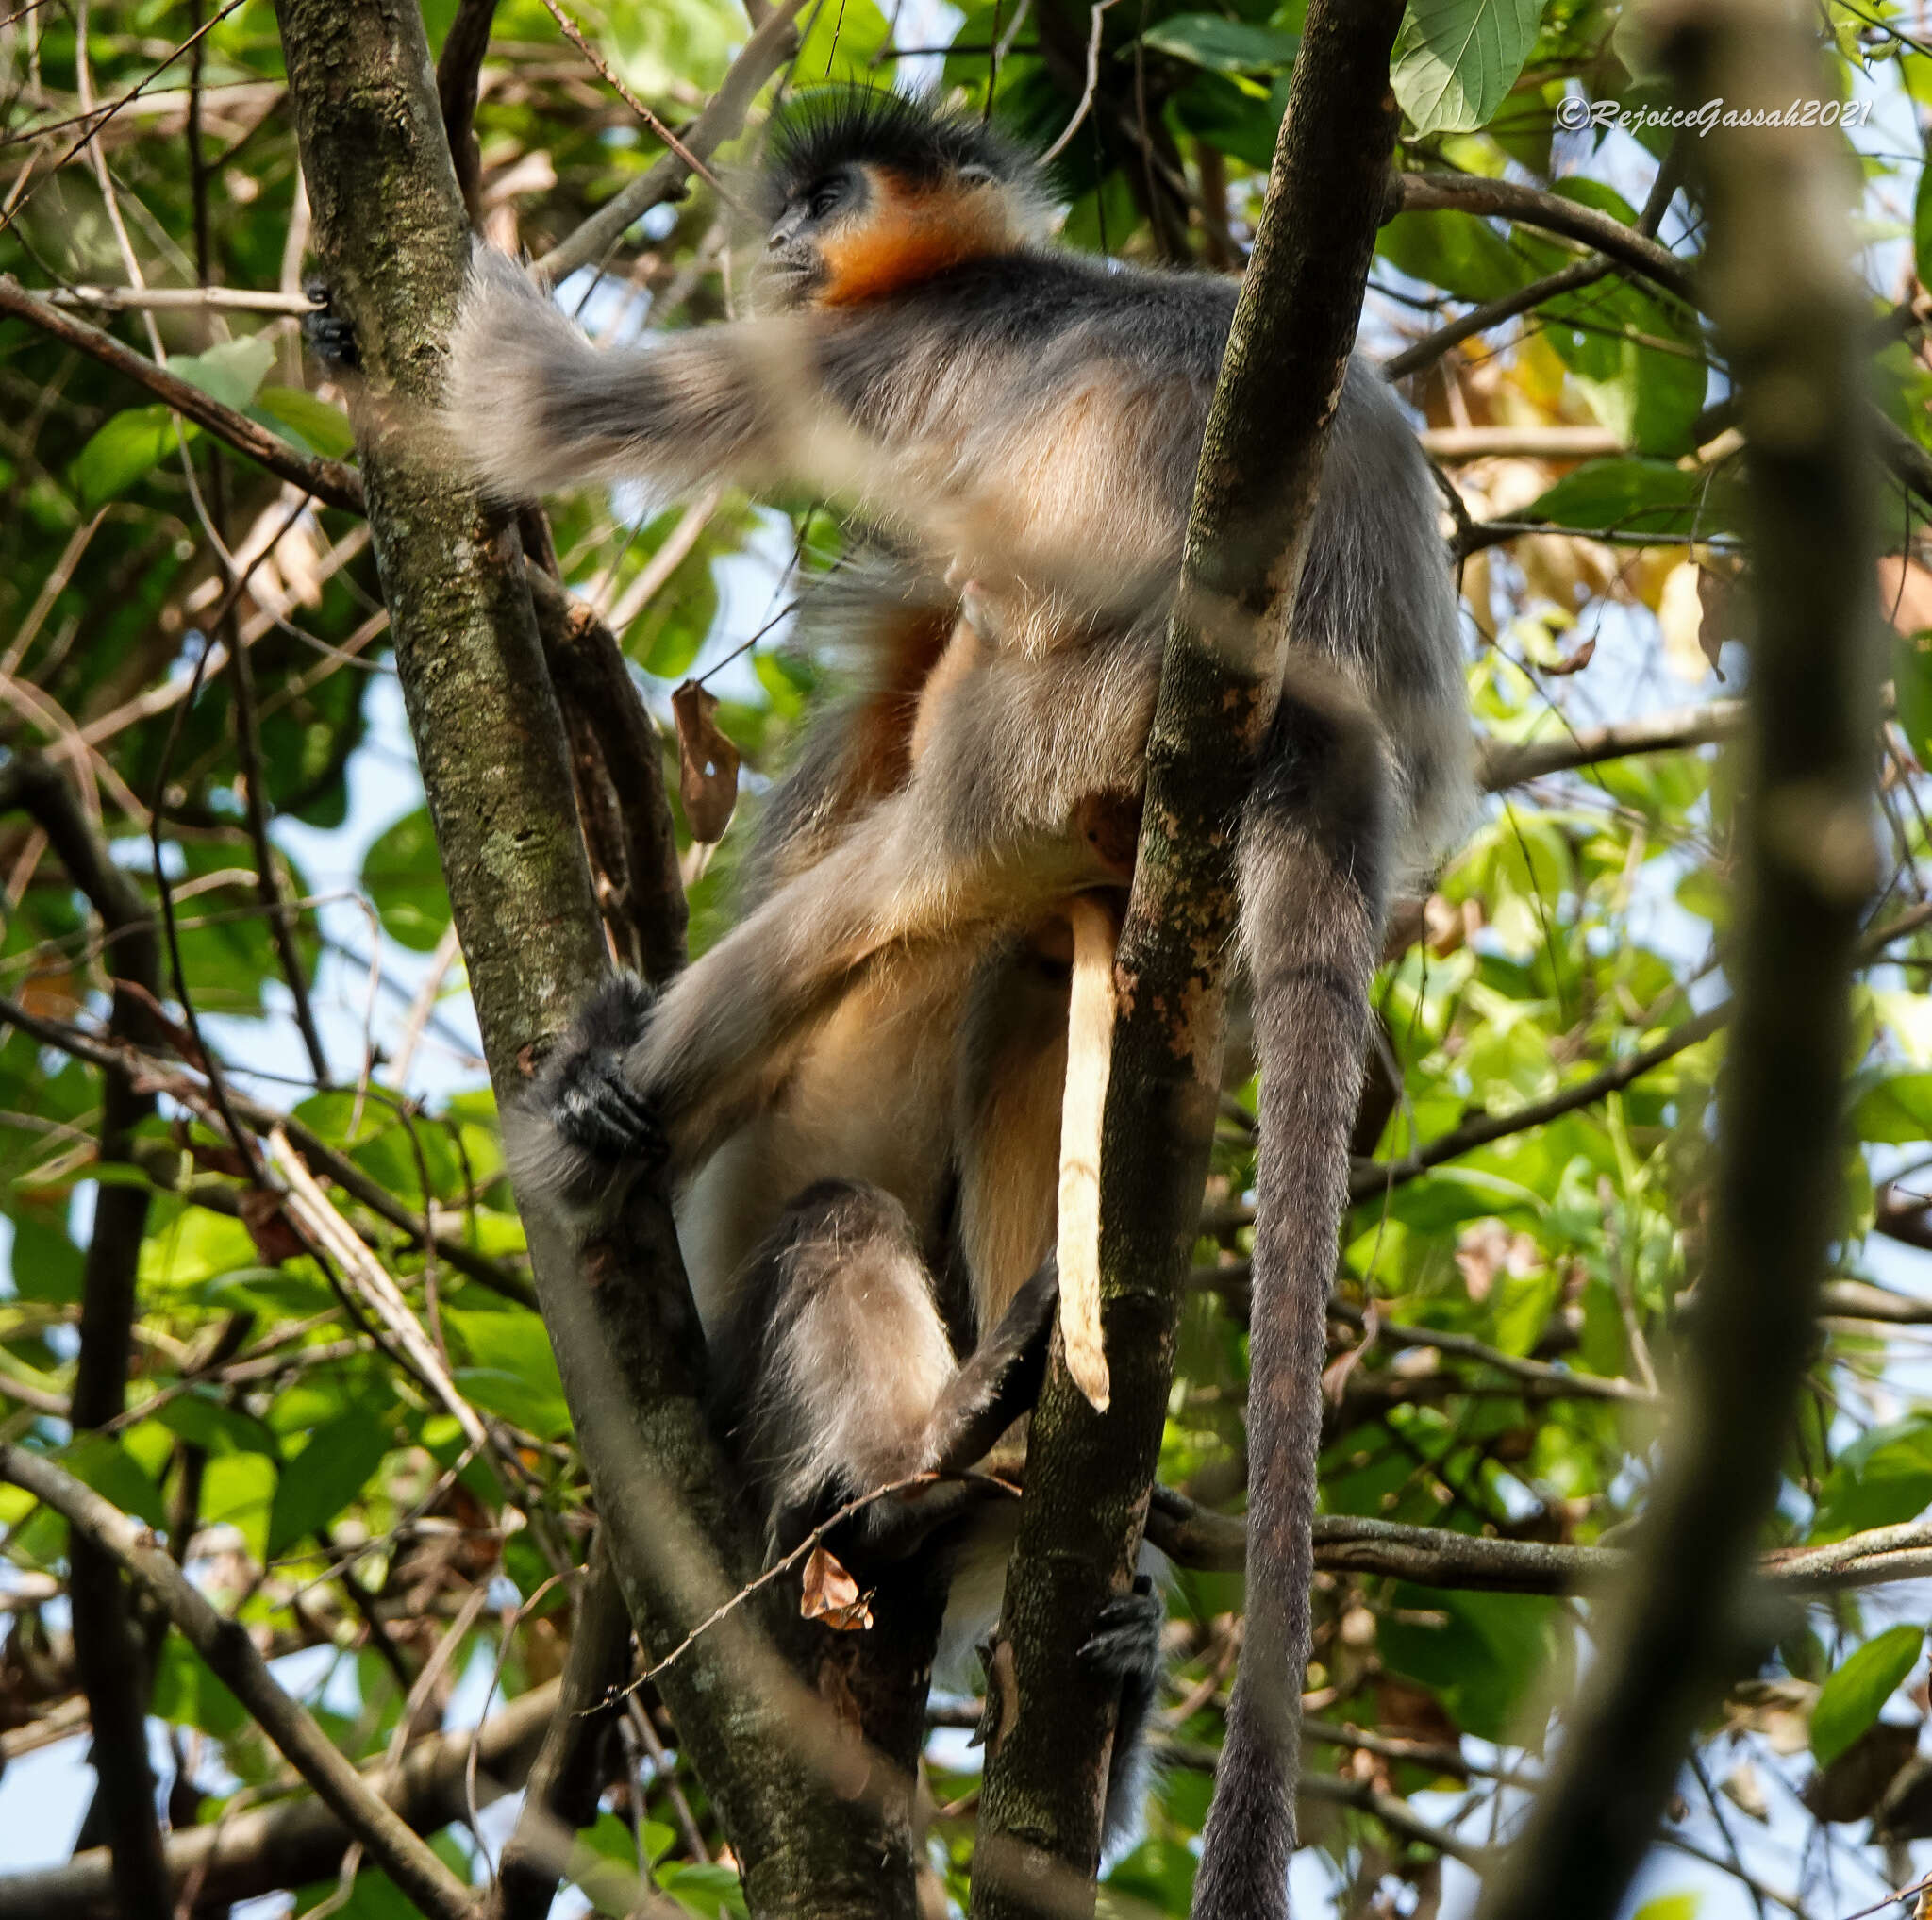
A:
x: 859, y: 1089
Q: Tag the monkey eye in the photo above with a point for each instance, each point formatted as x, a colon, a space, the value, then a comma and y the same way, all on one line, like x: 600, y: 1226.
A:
x: 825, y: 197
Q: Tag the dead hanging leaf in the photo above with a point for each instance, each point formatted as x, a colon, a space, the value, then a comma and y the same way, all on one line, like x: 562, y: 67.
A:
x: 706, y: 764
x: 1697, y: 616
x: 267, y: 1227
x: 1572, y: 662
x: 832, y: 1595
x: 1489, y: 1247
x: 1447, y: 927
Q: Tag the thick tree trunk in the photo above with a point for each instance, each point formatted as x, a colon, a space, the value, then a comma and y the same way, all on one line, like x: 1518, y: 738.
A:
x: 392, y: 239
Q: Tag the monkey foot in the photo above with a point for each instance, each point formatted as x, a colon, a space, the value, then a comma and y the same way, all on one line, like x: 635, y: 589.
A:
x: 1125, y: 1639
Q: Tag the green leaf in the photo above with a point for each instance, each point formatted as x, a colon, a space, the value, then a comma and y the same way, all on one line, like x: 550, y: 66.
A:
x: 320, y: 429
x: 1911, y: 667
x: 1222, y: 47
x: 237, y: 1490
x: 1922, y: 226
x: 511, y: 1369
x: 1850, y: 1697
x: 229, y: 373
x: 1633, y: 496
x: 704, y: 1890
x: 1458, y: 252
x: 130, y: 445
x: 1456, y: 60
x: 187, y: 1694
x: 404, y: 877
x: 116, y: 1475
x: 1883, y: 1477
x: 326, y: 1475
x: 1479, y: 1653
x: 1671, y: 1907
x: 1896, y: 1112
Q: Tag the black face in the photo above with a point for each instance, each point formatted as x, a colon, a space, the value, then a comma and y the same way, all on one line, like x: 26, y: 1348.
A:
x: 792, y: 265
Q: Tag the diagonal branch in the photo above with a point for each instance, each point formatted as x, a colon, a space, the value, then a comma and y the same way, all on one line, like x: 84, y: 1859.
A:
x: 232, y: 1656
x: 329, y: 480
x: 763, y: 53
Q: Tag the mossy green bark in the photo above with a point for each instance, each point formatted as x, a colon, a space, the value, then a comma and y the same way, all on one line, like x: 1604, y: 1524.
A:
x: 1090, y: 1475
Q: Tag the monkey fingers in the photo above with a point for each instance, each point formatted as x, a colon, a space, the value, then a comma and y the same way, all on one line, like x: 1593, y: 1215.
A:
x: 584, y: 1125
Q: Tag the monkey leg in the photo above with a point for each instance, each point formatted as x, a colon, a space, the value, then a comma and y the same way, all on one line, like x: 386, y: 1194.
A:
x: 837, y: 1379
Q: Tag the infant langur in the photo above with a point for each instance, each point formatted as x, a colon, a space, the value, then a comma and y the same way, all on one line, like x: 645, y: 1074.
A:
x: 1018, y: 425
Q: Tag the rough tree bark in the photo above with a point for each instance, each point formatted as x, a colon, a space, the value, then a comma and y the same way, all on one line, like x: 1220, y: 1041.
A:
x: 1089, y: 1475
x: 392, y: 239
x: 1788, y: 313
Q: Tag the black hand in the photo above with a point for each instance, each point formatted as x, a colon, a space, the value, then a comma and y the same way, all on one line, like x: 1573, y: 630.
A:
x: 590, y: 1098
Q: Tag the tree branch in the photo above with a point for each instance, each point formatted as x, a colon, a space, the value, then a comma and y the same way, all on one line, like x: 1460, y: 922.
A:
x: 231, y: 1655
x: 329, y: 480
x: 109, y: 1649
x: 635, y: 852
x: 456, y: 67
x: 299, y: 1839
x: 567, y: 1776
x: 1507, y: 765
x: 1550, y: 214
x: 763, y: 53
x: 390, y: 233
x: 1789, y: 313
x: 1088, y: 1473
x: 1193, y: 1536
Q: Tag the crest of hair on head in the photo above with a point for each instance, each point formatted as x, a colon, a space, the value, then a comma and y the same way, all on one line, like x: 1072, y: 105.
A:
x: 927, y: 146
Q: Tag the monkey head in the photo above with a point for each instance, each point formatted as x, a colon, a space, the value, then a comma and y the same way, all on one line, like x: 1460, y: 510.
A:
x: 864, y: 192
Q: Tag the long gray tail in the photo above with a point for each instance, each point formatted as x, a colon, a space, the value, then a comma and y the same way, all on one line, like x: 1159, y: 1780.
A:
x: 1311, y: 865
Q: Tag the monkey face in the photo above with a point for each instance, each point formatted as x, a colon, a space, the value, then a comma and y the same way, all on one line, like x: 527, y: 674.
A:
x: 795, y: 270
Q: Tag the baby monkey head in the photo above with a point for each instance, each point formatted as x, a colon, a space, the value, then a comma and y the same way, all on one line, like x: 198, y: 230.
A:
x: 864, y: 192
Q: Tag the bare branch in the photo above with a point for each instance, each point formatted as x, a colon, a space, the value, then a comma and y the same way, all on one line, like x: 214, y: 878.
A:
x: 329, y: 480
x: 299, y: 1839
x: 1222, y: 674
x: 763, y: 53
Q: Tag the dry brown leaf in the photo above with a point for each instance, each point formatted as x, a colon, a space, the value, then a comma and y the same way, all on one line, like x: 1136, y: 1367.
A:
x: 1575, y: 661
x: 267, y: 1227
x: 706, y: 764
x: 832, y: 1595
x: 1744, y: 1789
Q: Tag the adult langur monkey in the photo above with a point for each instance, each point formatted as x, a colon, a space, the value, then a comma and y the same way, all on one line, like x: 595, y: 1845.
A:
x: 859, y: 1089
